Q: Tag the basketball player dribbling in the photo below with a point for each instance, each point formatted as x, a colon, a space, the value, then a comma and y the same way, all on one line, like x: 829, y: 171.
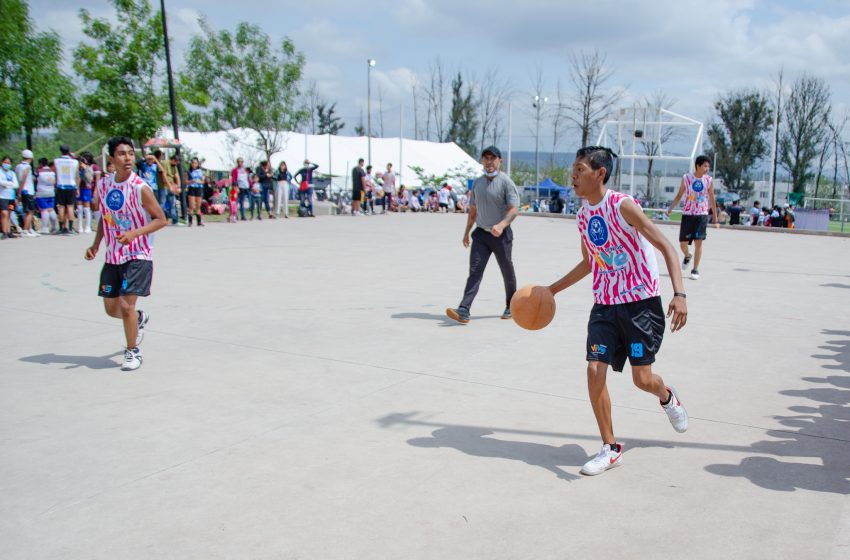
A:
x: 627, y: 319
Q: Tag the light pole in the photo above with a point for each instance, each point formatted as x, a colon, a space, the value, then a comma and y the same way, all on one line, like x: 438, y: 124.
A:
x: 173, y: 104
x: 369, y: 64
x: 538, y: 103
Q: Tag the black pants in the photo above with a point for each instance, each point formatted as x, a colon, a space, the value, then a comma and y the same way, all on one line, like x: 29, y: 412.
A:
x: 483, y: 244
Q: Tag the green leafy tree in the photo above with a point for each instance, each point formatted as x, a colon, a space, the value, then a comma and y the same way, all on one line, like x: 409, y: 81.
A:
x: 463, y: 119
x: 34, y: 92
x: 121, y: 71
x: 241, y: 80
x: 329, y: 123
x: 807, y: 113
x: 738, y: 139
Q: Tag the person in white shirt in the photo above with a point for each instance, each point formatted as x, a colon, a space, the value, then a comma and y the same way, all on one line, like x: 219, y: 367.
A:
x: 27, y: 193
x: 67, y: 188
x: 45, y: 191
x: 443, y: 195
x: 389, y: 186
x: 8, y: 194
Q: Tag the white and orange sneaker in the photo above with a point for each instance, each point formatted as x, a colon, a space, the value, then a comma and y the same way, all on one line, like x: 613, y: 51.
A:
x: 676, y: 413
x: 606, y: 459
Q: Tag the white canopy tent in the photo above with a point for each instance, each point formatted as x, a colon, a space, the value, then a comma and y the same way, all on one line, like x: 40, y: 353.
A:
x: 334, y: 154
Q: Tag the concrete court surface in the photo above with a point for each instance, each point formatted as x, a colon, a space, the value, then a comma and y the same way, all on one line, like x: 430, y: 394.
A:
x: 303, y: 397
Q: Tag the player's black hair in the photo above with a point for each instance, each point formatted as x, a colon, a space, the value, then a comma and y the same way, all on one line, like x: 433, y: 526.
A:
x: 361, y: 160
x: 368, y: 167
x: 4, y: 158
x: 43, y: 162
x: 700, y: 160
x: 598, y: 157
x: 116, y: 141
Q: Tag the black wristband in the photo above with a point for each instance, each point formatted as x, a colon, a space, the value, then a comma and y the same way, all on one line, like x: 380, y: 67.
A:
x: 680, y: 294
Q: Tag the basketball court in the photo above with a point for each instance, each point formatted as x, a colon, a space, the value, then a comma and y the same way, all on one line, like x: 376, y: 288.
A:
x: 303, y: 396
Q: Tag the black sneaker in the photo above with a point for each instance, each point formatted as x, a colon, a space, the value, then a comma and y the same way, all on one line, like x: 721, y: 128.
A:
x: 506, y: 314
x: 686, y: 261
x: 461, y: 314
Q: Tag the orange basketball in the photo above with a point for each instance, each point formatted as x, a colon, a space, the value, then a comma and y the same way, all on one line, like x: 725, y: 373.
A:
x: 533, y: 307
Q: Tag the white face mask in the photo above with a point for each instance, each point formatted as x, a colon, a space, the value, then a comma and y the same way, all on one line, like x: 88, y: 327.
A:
x: 491, y: 173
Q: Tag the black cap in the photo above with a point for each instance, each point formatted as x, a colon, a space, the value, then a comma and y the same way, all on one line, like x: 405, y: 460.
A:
x: 65, y: 149
x: 492, y: 150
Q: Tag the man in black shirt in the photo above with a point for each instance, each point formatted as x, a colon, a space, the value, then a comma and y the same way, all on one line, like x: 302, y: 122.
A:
x: 357, y: 175
x: 735, y: 213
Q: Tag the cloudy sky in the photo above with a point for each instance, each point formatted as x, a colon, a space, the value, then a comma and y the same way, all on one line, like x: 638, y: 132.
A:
x: 691, y: 50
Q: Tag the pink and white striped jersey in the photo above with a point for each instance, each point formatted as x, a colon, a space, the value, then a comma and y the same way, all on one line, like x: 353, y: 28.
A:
x: 121, y: 207
x: 621, y: 259
x: 696, y: 194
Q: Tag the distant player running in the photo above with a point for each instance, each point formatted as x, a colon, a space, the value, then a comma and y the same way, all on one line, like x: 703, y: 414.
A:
x: 698, y: 190
x: 130, y: 215
x: 627, y: 318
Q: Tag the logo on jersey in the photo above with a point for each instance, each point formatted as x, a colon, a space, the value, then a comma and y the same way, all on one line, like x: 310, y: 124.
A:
x: 115, y: 200
x: 597, y: 231
x: 697, y: 185
x: 598, y: 349
x: 615, y: 259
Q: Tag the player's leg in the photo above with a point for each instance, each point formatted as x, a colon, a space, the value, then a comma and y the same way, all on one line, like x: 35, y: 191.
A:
x: 697, y: 257
x: 646, y: 380
x: 503, y: 249
x: 600, y: 400
x: 130, y: 318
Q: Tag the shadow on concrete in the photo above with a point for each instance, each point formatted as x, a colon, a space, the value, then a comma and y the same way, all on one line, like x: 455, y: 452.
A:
x: 444, y: 321
x: 73, y: 362
x: 836, y: 285
x: 474, y: 441
x: 818, y: 431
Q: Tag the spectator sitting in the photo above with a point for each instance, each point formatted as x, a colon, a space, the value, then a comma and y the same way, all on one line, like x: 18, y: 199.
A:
x: 416, y: 201
x: 434, y: 202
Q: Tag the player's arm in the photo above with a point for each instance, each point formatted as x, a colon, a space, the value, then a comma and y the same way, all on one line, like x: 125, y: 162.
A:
x: 713, y: 205
x: 635, y: 217
x: 578, y: 272
x: 91, y: 252
x: 154, y: 210
x: 677, y: 198
x: 511, y: 198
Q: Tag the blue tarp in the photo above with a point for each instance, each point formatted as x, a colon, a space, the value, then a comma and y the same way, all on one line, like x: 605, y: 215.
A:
x: 547, y: 186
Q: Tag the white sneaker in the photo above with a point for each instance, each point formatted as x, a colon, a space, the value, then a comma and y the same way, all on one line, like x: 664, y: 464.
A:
x: 604, y: 460
x: 676, y: 413
x: 132, y: 359
x: 44, y: 231
x: 34, y: 233
x: 87, y: 230
x: 143, y: 320
x: 694, y: 274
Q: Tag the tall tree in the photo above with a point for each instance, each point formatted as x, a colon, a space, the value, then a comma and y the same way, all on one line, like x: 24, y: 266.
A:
x: 463, y: 121
x: 121, y: 71
x: 556, y: 114
x: 34, y: 91
x: 435, y: 93
x: 589, y: 103
x: 242, y: 80
x: 738, y: 138
x: 493, y: 95
x: 329, y: 123
x: 807, y: 112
